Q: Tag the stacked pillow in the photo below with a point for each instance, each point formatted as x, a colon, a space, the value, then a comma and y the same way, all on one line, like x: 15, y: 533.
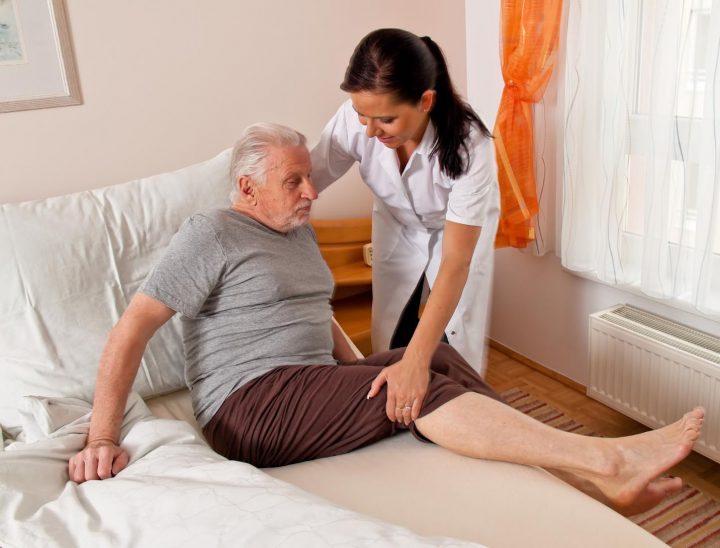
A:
x: 68, y: 269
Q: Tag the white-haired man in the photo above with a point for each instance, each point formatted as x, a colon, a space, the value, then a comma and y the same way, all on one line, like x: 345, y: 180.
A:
x: 273, y: 382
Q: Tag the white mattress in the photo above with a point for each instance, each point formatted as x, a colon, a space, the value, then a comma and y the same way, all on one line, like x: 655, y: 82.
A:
x: 434, y: 492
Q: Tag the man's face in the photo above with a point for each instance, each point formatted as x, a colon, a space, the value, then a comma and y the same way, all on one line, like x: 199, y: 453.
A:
x: 284, y: 200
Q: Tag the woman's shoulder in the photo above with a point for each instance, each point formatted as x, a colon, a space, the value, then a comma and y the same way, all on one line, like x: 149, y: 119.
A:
x: 346, y: 124
x: 478, y: 139
x: 479, y: 152
x: 480, y: 147
x: 350, y: 118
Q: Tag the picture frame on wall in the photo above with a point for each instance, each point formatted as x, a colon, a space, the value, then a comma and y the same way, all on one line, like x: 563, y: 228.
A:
x: 37, y: 66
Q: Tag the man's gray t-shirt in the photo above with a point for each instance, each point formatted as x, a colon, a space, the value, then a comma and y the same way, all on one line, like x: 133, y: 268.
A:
x: 251, y: 299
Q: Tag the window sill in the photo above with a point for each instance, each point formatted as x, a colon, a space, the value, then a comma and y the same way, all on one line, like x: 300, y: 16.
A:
x: 635, y: 291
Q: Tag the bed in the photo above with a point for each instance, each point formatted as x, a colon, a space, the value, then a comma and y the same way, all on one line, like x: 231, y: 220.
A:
x: 70, y: 264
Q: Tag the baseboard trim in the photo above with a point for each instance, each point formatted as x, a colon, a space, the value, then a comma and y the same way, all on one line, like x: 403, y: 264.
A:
x: 538, y: 367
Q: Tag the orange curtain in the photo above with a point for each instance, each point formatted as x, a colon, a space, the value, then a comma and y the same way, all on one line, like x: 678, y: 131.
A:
x: 529, y: 43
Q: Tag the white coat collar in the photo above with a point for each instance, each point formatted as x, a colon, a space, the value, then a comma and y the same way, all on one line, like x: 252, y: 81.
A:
x: 389, y: 161
x: 428, y: 138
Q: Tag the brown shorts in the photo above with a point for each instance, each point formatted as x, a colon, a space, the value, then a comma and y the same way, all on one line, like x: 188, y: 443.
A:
x: 301, y: 412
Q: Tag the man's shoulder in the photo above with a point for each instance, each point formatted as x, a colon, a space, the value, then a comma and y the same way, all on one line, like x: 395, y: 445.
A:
x: 215, y: 220
x: 211, y: 217
x: 201, y: 227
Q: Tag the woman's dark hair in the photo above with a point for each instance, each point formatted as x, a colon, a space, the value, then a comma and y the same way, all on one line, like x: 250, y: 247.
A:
x: 398, y: 62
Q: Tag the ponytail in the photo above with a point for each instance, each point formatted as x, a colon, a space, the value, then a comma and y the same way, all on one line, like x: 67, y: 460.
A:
x: 453, y: 119
x: 400, y: 63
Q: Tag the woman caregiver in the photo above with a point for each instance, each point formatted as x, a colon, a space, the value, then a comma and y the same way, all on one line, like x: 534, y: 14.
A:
x: 428, y: 159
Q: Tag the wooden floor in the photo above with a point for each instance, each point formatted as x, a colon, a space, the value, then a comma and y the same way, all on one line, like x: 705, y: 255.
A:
x: 504, y: 373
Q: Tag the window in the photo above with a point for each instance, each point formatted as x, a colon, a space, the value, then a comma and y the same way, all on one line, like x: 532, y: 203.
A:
x: 687, y: 108
x: 642, y: 147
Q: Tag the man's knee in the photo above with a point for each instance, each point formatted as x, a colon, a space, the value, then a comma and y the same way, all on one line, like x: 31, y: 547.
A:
x: 445, y: 355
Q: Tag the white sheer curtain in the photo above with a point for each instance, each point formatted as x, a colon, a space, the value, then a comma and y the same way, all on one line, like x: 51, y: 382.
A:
x: 641, y: 177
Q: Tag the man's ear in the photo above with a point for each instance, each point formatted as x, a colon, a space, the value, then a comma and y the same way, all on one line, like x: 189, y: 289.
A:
x: 246, y: 188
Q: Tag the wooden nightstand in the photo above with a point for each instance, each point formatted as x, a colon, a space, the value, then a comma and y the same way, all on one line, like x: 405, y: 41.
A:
x: 341, y: 244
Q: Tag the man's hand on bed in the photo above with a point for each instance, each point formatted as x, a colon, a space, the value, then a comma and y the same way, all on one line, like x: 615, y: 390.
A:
x: 101, y: 459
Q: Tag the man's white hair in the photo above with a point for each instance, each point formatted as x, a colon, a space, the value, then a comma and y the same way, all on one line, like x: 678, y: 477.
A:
x: 251, y: 150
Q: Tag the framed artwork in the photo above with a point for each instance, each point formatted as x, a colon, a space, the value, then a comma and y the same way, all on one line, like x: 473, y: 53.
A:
x: 37, y: 68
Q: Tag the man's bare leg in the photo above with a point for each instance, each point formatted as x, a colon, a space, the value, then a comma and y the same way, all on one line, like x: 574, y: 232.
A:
x: 621, y: 472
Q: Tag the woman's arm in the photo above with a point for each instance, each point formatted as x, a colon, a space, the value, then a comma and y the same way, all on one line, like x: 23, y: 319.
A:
x: 332, y: 156
x: 407, y: 380
x: 459, y: 244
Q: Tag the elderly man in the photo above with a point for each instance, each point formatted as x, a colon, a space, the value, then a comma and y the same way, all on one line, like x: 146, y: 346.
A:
x: 262, y: 355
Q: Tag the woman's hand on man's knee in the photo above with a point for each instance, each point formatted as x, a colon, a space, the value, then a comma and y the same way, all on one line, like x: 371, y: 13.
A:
x: 407, y: 385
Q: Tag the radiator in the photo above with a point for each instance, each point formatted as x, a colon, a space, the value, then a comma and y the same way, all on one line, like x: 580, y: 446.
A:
x: 653, y: 370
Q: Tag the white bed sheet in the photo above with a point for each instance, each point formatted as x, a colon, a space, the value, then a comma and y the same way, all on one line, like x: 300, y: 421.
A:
x: 175, y: 492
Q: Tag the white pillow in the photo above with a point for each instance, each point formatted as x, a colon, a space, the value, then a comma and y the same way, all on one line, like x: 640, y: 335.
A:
x: 44, y: 417
x: 68, y: 268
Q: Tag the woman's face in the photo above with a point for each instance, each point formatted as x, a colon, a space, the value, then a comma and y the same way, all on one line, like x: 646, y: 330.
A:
x: 393, y: 124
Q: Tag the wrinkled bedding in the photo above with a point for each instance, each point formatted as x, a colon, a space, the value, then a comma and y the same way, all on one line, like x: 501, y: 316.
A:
x: 174, y: 492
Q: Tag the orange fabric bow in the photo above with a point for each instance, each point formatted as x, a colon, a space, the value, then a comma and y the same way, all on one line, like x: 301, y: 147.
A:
x: 530, y: 37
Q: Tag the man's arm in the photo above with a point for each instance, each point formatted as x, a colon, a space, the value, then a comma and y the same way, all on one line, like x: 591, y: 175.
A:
x: 342, y: 351
x: 102, y: 456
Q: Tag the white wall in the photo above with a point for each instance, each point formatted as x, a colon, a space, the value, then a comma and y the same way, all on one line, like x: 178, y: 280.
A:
x: 539, y: 309
x: 169, y: 83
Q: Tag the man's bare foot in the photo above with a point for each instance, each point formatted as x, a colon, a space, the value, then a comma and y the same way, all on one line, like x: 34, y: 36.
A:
x: 654, y: 493
x: 626, y: 475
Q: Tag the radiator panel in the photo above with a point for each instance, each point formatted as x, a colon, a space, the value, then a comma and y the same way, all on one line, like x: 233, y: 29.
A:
x: 655, y: 375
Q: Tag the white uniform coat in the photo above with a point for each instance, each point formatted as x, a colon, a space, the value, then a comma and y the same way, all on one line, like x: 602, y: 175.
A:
x: 409, y: 213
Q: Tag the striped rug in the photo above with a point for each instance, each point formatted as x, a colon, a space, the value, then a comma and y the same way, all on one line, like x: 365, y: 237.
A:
x: 690, y: 518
